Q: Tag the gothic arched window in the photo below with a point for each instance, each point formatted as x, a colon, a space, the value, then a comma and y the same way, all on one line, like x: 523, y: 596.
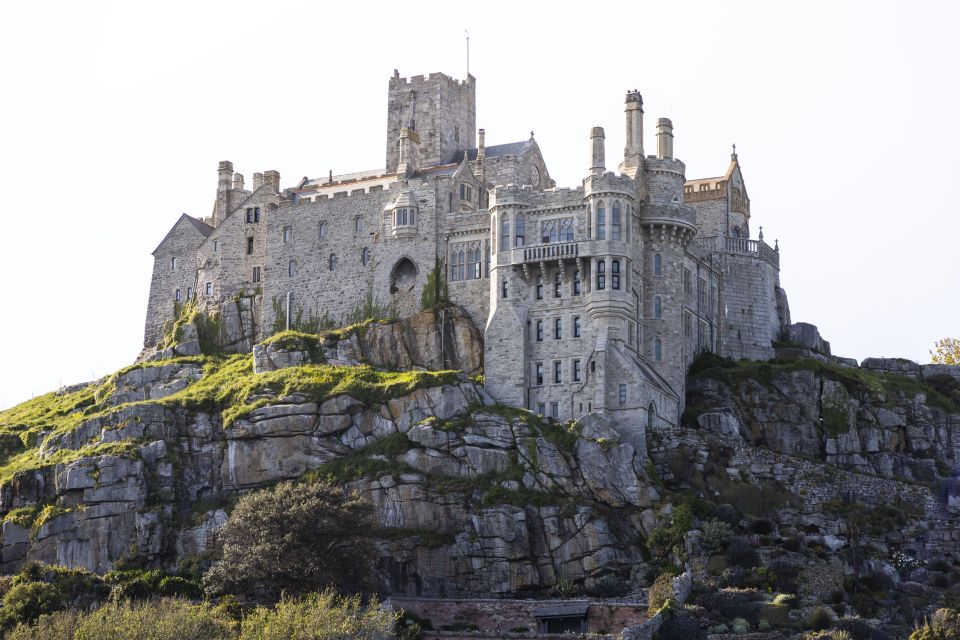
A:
x: 519, y: 229
x: 601, y: 222
x: 615, y: 222
x: 601, y: 275
x: 615, y: 274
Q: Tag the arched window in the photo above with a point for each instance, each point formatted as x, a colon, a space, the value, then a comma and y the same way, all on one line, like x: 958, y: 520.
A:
x: 456, y: 265
x: 292, y: 268
x: 615, y: 275
x: 333, y: 262
x: 518, y: 228
x: 576, y: 282
x: 576, y: 326
x: 323, y: 229
x: 505, y: 233
x: 177, y: 295
x: 557, y: 328
x: 538, y: 288
x: 601, y: 275
x: 365, y: 256
x: 657, y: 307
x: 657, y: 265
x: 557, y: 282
x: 615, y: 222
x: 601, y: 222
x: 358, y: 224
x: 286, y: 234
x: 657, y: 350
x: 189, y: 293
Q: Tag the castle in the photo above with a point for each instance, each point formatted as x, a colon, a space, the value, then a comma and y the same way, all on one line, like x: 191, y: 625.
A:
x: 591, y: 299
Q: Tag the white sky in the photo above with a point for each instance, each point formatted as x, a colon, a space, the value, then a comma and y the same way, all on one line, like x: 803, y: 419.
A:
x: 114, y: 117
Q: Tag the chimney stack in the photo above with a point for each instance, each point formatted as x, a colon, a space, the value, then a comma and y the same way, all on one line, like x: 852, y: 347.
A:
x: 664, y: 138
x: 257, y: 181
x: 238, y: 181
x: 478, y: 169
x: 598, y: 154
x: 224, y: 175
x: 409, y: 155
x: 633, y: 150
x: 272, y: 179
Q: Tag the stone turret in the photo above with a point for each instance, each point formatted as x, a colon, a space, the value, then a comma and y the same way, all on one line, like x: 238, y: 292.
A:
x: 664, y: 138
x: 633, y: 150
x: 598, y: 153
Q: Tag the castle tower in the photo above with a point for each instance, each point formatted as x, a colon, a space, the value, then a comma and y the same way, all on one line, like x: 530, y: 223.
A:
x: 633, y: 150
x: 598, y: 152
x: 441, y: 109
x: 664, y: 138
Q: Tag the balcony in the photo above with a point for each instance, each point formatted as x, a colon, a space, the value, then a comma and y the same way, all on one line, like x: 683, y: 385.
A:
x: 548, y: 252
x: 740, y: 247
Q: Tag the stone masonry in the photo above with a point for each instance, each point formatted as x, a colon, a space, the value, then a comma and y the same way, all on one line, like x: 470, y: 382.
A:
x: 593, y: 299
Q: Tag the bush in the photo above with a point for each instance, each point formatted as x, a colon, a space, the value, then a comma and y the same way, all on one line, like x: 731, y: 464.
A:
x: 732, y: 603
x: 791, y: 544
x: 609, y: 586
x: 167, y: 619
x: 761, y: 527
x: 841, y: 635
x: 858, y: 629
x: 727, y: 513
x: 742, y: 554
x: 682, y: 626
x: 140, y: 584
x: 940, y: 565
x: 716, y: 535
x: 764, y: 625
x: 782, y: 575
x: 660, y: 593
x: 27, y: 601
x: 819, y: 618
x: 944, y: 624
x: 785, y: 600
x: 294, y: 539
x: 319, y: 616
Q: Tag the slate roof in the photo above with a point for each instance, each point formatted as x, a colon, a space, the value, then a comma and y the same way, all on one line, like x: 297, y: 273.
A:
x: 204, y: 229
x: 496, y: 151
x: 572, y: 609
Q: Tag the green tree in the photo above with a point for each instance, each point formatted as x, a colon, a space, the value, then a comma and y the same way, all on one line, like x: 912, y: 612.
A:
x: 946, y: 351
x: 294, y: 539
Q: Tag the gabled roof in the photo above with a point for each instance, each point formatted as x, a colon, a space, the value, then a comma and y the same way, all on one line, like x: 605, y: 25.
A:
x: 568, y: 609
x: 201, y: 227
x: 497, y: 150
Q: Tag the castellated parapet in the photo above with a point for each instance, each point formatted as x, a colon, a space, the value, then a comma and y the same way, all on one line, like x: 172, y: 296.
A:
x: 592, y: 299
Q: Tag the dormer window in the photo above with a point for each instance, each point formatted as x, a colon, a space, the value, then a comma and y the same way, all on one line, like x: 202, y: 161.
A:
x: 466, y: 193
x: 403, y: 215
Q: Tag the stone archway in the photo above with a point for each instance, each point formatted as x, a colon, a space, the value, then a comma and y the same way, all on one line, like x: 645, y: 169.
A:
x: 403, y: 284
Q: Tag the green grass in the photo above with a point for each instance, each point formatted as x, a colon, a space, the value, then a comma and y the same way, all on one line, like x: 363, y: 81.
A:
x: 30, y: 460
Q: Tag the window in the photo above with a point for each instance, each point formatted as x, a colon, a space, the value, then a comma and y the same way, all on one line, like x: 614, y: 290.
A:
x: 539, y: 330
x: 503, y: 289
x: 256, y: 274
x: 358, y: 224
x: 566, y: 232
x: 601, y: 275
x: 576, y: 282
x: 249, y: 215
x: 365, y: 256
x: 576, y: 370
x: 615, y: 274
x: 505, y: 233
x: 456, y: 265
x: 189, y: 293
x: 539, y: 373
x: 615, y: 222
x: 323, y: 229
x: 687, y: 283
x: 209, y: 288
x: 556, y: 284
x: 657, y: 307
x: 657, y: 350
x: 401, y: 217
x: 622, y: 394
x: 554, y: 410
x: 701, y: 294
x: 576, y: 326
x: 486, y: 265
x: 176, y: 295
x: 216, y: 245
x: 657, y: 265
x: 292, y: 268
x: 735, y: 232
x: 286, y: 234
x: 541, y: 408
x: 332, y: 262
x: 518, y: 229
x: 256, y: 214
x: 557, y: 328
x: 601, y: 222
x: 466, y: 192
x: 173, y: 264
x: 249, y: 246
x: 538, y: 288
x: 557, y: 372
x: 473, y: 264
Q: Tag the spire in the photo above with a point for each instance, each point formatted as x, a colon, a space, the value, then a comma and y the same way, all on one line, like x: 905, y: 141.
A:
x: 733, y: 155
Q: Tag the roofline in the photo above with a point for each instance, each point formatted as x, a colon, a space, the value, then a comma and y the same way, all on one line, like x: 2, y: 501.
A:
x: 193, y: 226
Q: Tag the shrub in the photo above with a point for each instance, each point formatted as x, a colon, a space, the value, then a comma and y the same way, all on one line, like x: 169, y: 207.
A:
x: 294, y: 538
x: 761, y: 527
x: 819, y: 618
x: 609, y: 586
x: 863, y: 604
x: 939, y: 564
x: 782, y: 575
x: 717, y: 534
x: 727, y: 513
x: 720, y: 628
x: 732, y: 603
x: 319, y: 616
x: 944, y: 624
x: 791, y: 544
x: 764, y: 625
x: 167, y: 619
x: 740, y: 626
x: 27, y: 601
x: 681, y: 627
x: 742, y: 554
x: 785, y: 600
x: 840, y: 608
x: 858, y: 629
x: 660, y: 593
x: 836, y: 597
x: 841, y: 635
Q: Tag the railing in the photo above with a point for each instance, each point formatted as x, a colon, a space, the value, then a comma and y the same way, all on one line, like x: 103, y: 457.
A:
x: 541, y: 252
x: 740, y: 246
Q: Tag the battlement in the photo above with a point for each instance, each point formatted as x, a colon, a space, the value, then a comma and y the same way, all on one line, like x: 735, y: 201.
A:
x: 421, y: 80
x: 701, y: 190
x: 610, y: 182
x: 653, y: 164
x: 741, y: 247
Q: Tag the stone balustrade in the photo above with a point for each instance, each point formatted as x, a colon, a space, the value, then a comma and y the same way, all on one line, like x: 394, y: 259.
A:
x: 740, y: 246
